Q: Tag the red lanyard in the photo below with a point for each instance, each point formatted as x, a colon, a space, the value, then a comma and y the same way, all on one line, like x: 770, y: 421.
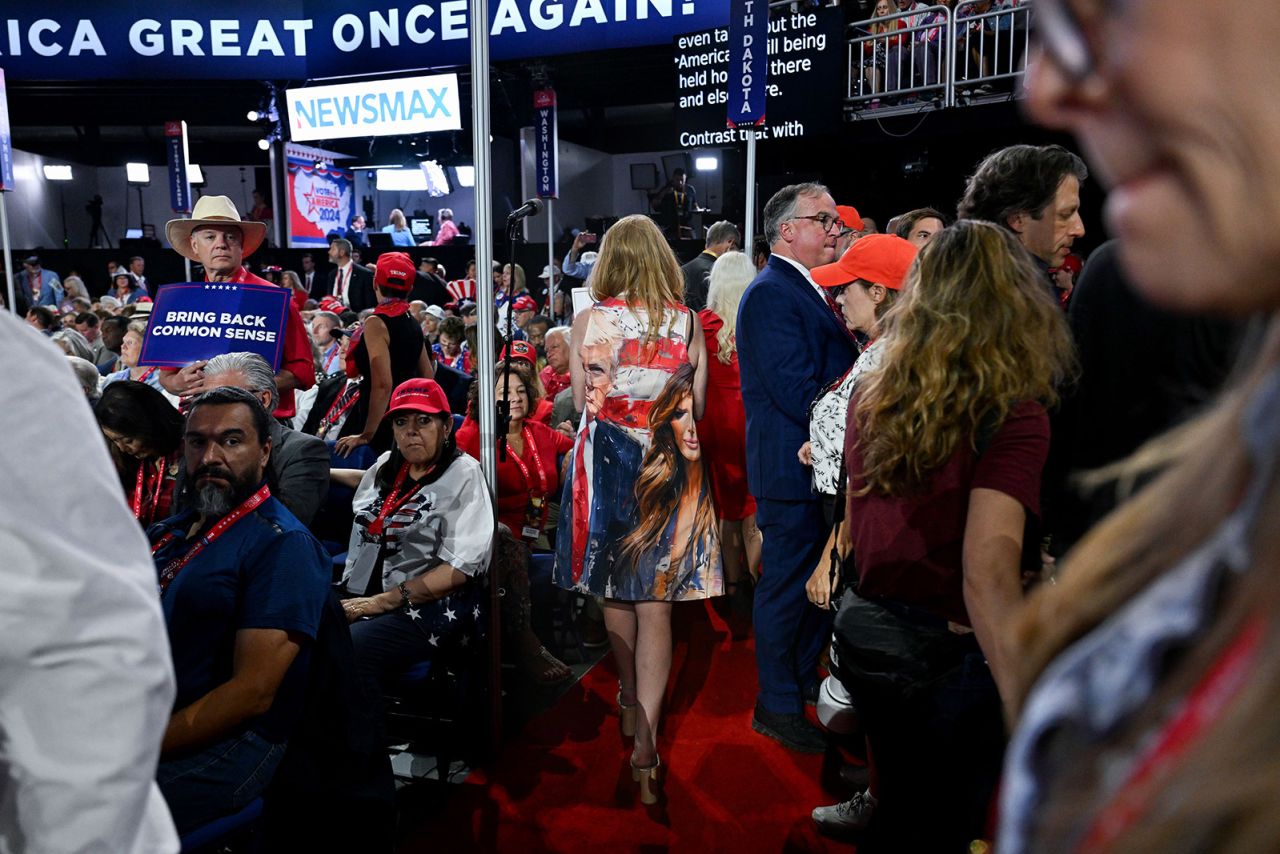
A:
x: 331, y: 417
x: 394, y: 500
x: 542, y: 473
x: 175, y: 566
x: 146, y: 374
x: 139, y: 490
x: 1221, y: 685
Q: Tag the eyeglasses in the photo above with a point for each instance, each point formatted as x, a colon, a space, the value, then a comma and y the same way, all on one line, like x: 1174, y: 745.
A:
x: 1065, y: 34
x: 824, y: 220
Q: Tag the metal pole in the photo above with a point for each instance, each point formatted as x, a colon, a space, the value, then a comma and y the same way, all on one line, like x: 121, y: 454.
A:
x: 277, y: 198
x: 551, y: 261
x: 481, y: 151
x: 749, y: 217
x: 8, y: 256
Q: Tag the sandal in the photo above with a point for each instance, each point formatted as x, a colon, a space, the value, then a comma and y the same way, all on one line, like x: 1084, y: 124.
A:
x: 545, y: 668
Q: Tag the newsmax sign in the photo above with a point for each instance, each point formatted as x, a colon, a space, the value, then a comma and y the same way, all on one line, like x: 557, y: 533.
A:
x: 406, y: 105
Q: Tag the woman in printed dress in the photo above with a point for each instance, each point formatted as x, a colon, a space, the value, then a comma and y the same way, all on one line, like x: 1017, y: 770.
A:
x: 637, y: 518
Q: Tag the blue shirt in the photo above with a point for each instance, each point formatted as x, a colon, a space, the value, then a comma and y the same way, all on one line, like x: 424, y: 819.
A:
x: 401, y: 237
x: 265, y: 572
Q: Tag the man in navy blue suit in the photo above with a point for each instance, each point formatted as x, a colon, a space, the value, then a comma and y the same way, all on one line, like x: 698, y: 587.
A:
x: 790, y: 345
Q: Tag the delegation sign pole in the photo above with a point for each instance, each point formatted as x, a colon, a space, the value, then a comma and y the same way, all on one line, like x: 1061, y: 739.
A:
x: 748, y: 75
x: 6, y: 185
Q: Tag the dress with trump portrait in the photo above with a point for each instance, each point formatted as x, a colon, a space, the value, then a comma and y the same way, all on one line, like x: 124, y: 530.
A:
x: 638, y: 519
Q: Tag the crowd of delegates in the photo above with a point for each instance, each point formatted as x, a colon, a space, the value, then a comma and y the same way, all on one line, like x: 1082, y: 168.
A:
x: 910, y: 534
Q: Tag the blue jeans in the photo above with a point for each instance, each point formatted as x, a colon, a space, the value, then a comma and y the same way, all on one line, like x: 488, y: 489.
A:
x: 219, y: 780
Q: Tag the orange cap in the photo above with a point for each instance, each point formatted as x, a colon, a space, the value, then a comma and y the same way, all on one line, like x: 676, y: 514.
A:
x: 850, y: 217
x: 881, y: 259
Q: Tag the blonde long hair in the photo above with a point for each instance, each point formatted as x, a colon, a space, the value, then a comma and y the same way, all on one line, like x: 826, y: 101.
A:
x: 637, y: 265
x: 974, y: 332
x: 1205, y: 465
x: 730, y: 275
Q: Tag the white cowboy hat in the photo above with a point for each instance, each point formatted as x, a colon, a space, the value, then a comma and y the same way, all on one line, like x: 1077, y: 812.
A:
x: 213, y: 210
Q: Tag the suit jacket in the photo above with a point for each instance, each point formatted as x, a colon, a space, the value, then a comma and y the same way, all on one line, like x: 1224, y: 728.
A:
x: 300, y: 464
x: 790, y: 345
x: 612, y: 512
x: 697, y: 279
x: 360, y: 293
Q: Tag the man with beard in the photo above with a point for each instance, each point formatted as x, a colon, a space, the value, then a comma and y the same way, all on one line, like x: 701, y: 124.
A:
x: 242, y: 587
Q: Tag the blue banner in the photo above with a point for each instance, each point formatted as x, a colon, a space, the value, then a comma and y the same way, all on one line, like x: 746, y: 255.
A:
x: 309, y: 39
x: 748, y: 62
x: 6, y: 141
x: 199, y: 320
x: 175, y: 138
x: 546, y: 142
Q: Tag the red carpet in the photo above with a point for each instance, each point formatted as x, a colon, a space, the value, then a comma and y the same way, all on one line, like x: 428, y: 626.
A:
x: 565, y: 784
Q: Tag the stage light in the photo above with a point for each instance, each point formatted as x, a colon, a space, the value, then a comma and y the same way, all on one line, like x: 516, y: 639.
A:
x: 466, y: 175
x: 195, y: 174
x: 403, y: 180
x: 57, y: 172
x: 706, y: 163
x: 138, y: 173
x: 252, y: 115
x: 264, y: 143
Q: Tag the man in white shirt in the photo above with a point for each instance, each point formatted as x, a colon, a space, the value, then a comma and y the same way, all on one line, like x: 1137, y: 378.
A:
x: 86, y: 684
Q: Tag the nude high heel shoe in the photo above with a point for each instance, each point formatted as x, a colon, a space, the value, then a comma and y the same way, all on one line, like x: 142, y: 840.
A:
x: 650, y: 781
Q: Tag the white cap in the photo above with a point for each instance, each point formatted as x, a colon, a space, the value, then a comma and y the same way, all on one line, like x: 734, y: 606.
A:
x: 589, y: 257
x: 549, y: 271
x: 435, y: 311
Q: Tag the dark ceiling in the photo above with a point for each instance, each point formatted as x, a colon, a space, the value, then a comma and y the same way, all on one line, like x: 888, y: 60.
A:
x: 111, y: 121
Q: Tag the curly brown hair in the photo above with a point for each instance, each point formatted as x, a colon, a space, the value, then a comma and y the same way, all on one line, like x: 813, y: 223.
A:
x: 973, y: 333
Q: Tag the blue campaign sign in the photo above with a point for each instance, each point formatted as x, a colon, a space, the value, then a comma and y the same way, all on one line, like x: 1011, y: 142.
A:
x: 6, y: 141
x: 748, y: 62
x: 200, y: 320
x: 546, y: 141
x: 309, y: 39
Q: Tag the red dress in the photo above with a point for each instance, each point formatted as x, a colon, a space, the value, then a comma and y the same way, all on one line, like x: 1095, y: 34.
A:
x: 723, y: 428
x: 514, y: 489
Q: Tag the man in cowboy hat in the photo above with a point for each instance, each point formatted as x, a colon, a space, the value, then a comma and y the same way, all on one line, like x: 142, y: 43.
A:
x: 219, y: 240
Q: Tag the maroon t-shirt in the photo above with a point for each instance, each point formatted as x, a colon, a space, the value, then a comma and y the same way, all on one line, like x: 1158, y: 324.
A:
x: 909, y: 548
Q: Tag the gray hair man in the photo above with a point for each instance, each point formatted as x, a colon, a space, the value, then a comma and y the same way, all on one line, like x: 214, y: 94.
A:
x: 790, y: 345
x: 722, y: 237
x: 299, y: 463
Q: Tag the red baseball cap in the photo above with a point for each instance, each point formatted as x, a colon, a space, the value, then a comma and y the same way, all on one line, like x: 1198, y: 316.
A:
x: 850, y: 217
x: 524, y: 302
x: 520, y: 350
x: 418, y: 395
x: 395, y: 272
x: 332, y: 304
x: 882, y: 259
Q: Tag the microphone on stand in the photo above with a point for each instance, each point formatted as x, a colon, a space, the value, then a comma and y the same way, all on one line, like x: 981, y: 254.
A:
x: 533, y: 207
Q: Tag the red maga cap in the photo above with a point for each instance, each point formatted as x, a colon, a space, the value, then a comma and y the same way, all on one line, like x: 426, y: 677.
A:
x: 524, y: 302
x: 395, y: 272
x: 520, y: 350
x: 882, y: 259
x: 418, y: 395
